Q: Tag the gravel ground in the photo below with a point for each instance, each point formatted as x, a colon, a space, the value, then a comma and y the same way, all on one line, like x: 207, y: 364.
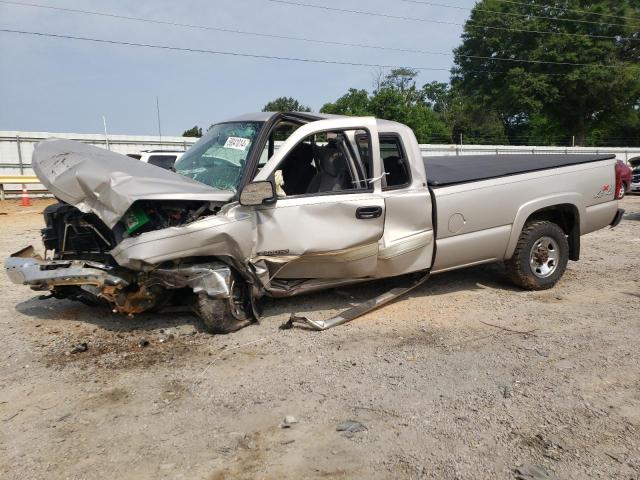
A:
x: 465, y: 378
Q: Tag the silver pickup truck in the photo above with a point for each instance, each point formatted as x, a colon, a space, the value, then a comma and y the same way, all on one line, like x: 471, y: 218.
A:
x: 280, y: 204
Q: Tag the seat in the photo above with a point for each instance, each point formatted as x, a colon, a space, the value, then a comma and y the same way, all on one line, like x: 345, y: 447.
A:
x: 333, y: 172
x: 396, y: 170
x: 297, y: 170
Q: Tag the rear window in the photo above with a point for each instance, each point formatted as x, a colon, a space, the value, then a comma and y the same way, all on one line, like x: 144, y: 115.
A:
x: 394, y: 161
x: 163, y: 161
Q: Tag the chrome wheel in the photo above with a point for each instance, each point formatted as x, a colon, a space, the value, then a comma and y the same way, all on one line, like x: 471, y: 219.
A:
x: 544, y: 257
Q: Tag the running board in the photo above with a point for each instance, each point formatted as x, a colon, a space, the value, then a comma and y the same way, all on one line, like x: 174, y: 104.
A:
x: 354, y: 312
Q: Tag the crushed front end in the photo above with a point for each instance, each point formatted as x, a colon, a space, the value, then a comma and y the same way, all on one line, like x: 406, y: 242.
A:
x: 137, y: 237
x: 78, y: 264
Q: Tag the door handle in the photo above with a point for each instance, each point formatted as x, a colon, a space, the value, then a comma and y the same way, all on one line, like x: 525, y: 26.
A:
x: 364, y: 213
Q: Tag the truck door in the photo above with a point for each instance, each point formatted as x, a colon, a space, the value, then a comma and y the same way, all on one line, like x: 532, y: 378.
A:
x: 408, y: 242
x: 329, y: 214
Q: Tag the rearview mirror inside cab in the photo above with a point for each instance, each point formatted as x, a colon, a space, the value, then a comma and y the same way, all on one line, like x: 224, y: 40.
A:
x: 258, y: 193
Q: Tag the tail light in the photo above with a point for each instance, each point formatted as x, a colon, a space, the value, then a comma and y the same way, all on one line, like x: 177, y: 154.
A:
x: 617, y: 194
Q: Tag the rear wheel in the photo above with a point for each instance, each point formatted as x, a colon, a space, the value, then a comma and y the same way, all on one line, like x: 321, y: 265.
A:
x: 225, y: 315
x: 540, y: 257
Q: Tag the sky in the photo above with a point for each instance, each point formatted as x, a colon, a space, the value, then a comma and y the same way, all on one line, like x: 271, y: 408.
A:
x: 61, y: 85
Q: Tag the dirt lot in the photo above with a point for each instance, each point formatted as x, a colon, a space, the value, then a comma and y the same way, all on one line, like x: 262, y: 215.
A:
x: 466, y: 378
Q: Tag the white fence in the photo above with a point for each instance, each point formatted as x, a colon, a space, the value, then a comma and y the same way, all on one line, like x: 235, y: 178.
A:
x: 16, y: 148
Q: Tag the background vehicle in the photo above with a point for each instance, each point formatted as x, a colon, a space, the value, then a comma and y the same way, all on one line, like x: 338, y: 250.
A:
x: 624, y: 173
x: 342, y: 200
x: 635, y: 180
x: 160, y: 158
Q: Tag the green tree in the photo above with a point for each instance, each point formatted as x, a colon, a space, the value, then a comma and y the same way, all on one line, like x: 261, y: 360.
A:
x: 285, y: 104
x: 436, y: 95
x: 402, y: 80
x: 470, y: 123
x: 354, y: 103
x: 530, y: 97
x: 194, y: 131
x: 397, y: 98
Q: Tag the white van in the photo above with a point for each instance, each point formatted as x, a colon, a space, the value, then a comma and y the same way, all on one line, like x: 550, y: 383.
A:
x: 160, y: 158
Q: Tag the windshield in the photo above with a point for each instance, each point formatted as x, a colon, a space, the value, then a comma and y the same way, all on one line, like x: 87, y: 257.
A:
x: 218, y: 158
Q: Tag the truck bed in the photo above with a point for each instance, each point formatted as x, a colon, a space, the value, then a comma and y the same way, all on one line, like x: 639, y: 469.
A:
x: 451, y: 170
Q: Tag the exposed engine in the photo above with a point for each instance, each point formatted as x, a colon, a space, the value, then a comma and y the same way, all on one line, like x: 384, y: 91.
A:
x: 73, y: 235
x: 80, y: 242
x: 146, y: 216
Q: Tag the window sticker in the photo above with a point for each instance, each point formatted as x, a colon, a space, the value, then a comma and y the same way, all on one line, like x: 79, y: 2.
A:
x: 237, y: 143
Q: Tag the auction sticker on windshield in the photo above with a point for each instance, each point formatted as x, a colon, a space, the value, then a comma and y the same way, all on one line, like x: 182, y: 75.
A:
x: 237, y: 143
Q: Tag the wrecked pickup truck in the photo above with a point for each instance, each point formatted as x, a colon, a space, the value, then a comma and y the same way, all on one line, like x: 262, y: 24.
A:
x: 279, y: 204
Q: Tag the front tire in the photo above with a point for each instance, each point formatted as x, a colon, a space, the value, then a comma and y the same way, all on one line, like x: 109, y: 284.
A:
x: 540, y: 257
x: 225, y: 315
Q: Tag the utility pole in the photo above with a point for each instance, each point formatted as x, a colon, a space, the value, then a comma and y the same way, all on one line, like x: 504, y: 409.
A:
x: 106, y: 137
x: 460, y: 139
x: 573, y: 140
x: 159, y: 127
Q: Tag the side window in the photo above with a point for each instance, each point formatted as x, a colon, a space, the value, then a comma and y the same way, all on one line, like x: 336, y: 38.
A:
x: 321, y: 163
x: 394, y: 161
x: 162, y: 161
x: 280, y: 133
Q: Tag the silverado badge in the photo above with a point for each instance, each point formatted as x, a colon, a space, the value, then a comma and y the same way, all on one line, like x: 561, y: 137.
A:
x: 604, y: 191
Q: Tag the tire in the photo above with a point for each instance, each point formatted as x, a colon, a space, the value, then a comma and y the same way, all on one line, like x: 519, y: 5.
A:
x: 622, y: 192
x: 225, y: 315
x: 540, y: 257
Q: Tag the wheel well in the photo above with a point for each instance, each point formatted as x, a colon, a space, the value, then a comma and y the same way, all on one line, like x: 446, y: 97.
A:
x: 567, y: 217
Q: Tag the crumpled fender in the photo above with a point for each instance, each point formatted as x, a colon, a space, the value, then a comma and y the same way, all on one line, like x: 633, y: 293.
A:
x: 231, y: 233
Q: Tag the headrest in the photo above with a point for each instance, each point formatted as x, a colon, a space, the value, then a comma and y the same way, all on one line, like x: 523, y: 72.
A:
x: 331, y: 160
x: 302, y: 151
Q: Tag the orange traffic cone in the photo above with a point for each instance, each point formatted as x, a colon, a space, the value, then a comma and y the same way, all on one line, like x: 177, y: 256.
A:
x: 25, y: 202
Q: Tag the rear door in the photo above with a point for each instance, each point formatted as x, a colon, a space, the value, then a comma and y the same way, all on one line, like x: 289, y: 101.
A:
x: 328, y: 218
x: 408, y: 242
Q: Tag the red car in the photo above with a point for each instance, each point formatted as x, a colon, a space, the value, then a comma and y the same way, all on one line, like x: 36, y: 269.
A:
x: 624, y: 174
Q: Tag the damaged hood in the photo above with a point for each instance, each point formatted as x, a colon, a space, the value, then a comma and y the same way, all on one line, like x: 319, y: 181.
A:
x: 107, y: 183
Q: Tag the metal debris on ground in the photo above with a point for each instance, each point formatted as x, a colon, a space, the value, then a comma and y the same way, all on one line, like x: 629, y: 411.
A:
x: 81, y: 347
x: 533, y: 472
x: 349, y: 427
x: 288, y: 422
x: 357, y: 310
x: 165, y: 338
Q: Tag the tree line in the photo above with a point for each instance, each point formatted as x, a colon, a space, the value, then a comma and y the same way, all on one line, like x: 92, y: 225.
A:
x: 525, y: 73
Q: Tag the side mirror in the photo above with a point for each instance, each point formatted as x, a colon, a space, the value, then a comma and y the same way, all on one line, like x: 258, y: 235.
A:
x: 258, y: 193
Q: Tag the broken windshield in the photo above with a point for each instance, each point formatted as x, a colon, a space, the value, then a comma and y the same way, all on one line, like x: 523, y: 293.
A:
x: 218, y: 158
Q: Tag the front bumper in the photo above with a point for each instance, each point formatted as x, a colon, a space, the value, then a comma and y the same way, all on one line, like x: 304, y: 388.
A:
x: 27, y: 268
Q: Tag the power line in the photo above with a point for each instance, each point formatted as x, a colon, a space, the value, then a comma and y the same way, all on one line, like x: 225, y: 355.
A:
x: 444, y: 22
x: 254, y: 55
x: 221, y: 52
x: 573, y: 10
x: 512, y: 14
x: 302, y: 39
